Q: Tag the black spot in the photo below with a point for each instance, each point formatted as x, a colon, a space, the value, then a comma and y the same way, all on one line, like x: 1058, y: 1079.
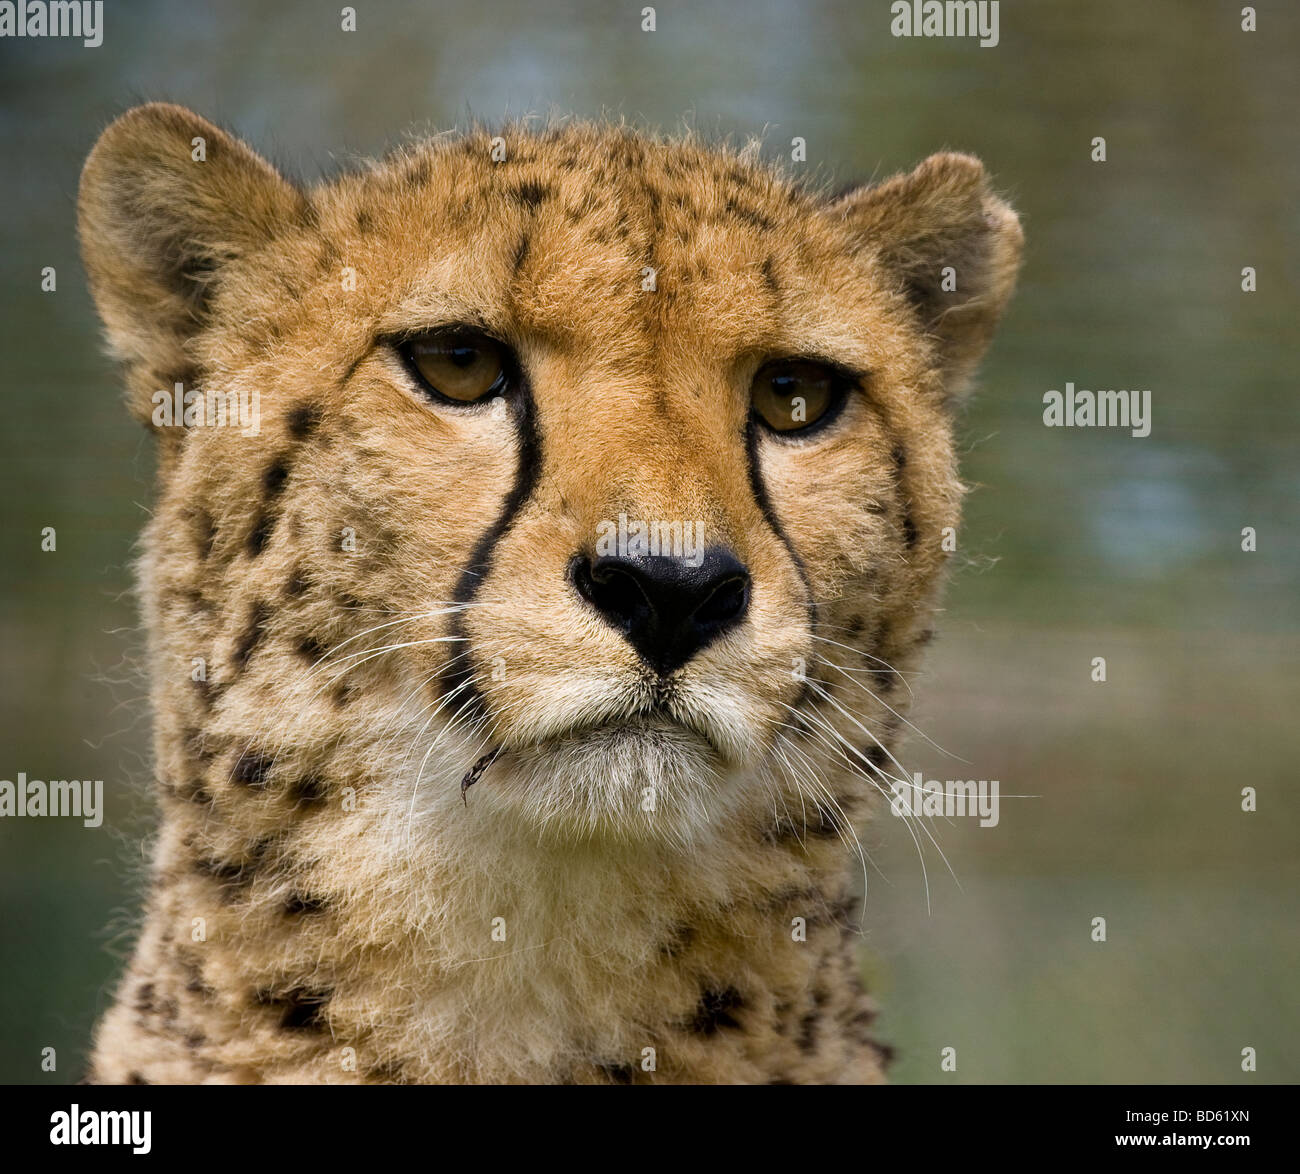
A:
x: 205, y: 533
x: 231, y: 877
x: 301, y: 903
x: 389, y: 1072
x: 274, y: 478
x: 300, y: 1008
x: 827, y: 824
x: 769, y: 276
x: 251, y: 768
x: 750, y: 215
x: 194, y: 977
x: 308, y: 791
x: 260, y: 534
x: 521, y: 252
x: 419, y: 171
x: 924, y: 638
x: 877, y: 755
x: 683, y: 936
x: 807, y: 1038
x: 618, y: 1073
x: 531, y: 193
x: 136, y: 1078
x: 365, y: 222
x: 144, y: 998
x: 252, y: 634
x: 855, y: 626
x: 909, y: 530
x: 715, y: 1011
x: 302, y: 421
x: 308, y: 214
x: 298, y: 583
x: 899, y: 456
x: 310, y: 649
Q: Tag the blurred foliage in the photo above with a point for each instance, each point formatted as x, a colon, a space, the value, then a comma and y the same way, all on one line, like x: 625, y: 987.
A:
x: 1078, y: 543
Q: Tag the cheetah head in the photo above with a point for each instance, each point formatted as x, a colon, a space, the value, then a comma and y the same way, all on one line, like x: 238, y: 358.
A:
x: 607, y: 473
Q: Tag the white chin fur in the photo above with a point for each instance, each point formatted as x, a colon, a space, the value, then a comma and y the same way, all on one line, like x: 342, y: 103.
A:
x: 646, y: 780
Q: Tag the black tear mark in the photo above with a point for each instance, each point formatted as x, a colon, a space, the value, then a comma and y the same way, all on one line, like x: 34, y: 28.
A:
x: 715, y: 1011
x: 251, y: 768
x: 300, y: 1008
x: 759, y: 489
x: 460, y: 670
x: 302, y: 421
x: 257, y: 618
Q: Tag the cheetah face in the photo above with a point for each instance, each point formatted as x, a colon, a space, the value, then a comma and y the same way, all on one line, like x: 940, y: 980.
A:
x: 613, y: 468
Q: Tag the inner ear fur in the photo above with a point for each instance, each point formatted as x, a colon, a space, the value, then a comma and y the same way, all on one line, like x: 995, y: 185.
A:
x: 942, y: 214
x: 157, y: 225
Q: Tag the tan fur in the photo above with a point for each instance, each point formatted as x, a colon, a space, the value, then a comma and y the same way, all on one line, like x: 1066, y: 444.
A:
x: 311, y: 804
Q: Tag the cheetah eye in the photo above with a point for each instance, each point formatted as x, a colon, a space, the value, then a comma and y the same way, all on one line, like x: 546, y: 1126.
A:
x: 791, y: 395
x: 458, y: 365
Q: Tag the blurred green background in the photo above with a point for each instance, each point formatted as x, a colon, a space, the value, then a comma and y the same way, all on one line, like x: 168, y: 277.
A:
x: 1079, y: 543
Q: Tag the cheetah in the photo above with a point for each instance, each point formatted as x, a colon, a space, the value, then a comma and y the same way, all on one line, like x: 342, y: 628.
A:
x: 522, y: 668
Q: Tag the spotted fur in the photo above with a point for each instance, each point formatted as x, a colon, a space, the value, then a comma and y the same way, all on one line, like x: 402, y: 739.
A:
x: 323, y: 897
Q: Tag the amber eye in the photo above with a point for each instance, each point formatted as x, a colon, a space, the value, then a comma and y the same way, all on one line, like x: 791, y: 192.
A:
x: 794, y: 394
x: 462, y: 366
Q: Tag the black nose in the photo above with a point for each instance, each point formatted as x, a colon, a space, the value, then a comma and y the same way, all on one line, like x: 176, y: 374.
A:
x: 667, y: 609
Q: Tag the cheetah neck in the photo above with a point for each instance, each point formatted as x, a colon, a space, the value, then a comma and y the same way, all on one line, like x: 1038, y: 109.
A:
x: 378, y: 943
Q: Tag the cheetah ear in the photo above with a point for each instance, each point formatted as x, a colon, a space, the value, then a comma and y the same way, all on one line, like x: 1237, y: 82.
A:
x: 943, y: 216
x: 166, y: 200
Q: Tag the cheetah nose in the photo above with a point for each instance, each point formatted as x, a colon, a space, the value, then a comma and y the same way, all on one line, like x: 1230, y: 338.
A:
x: 666, y: 608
